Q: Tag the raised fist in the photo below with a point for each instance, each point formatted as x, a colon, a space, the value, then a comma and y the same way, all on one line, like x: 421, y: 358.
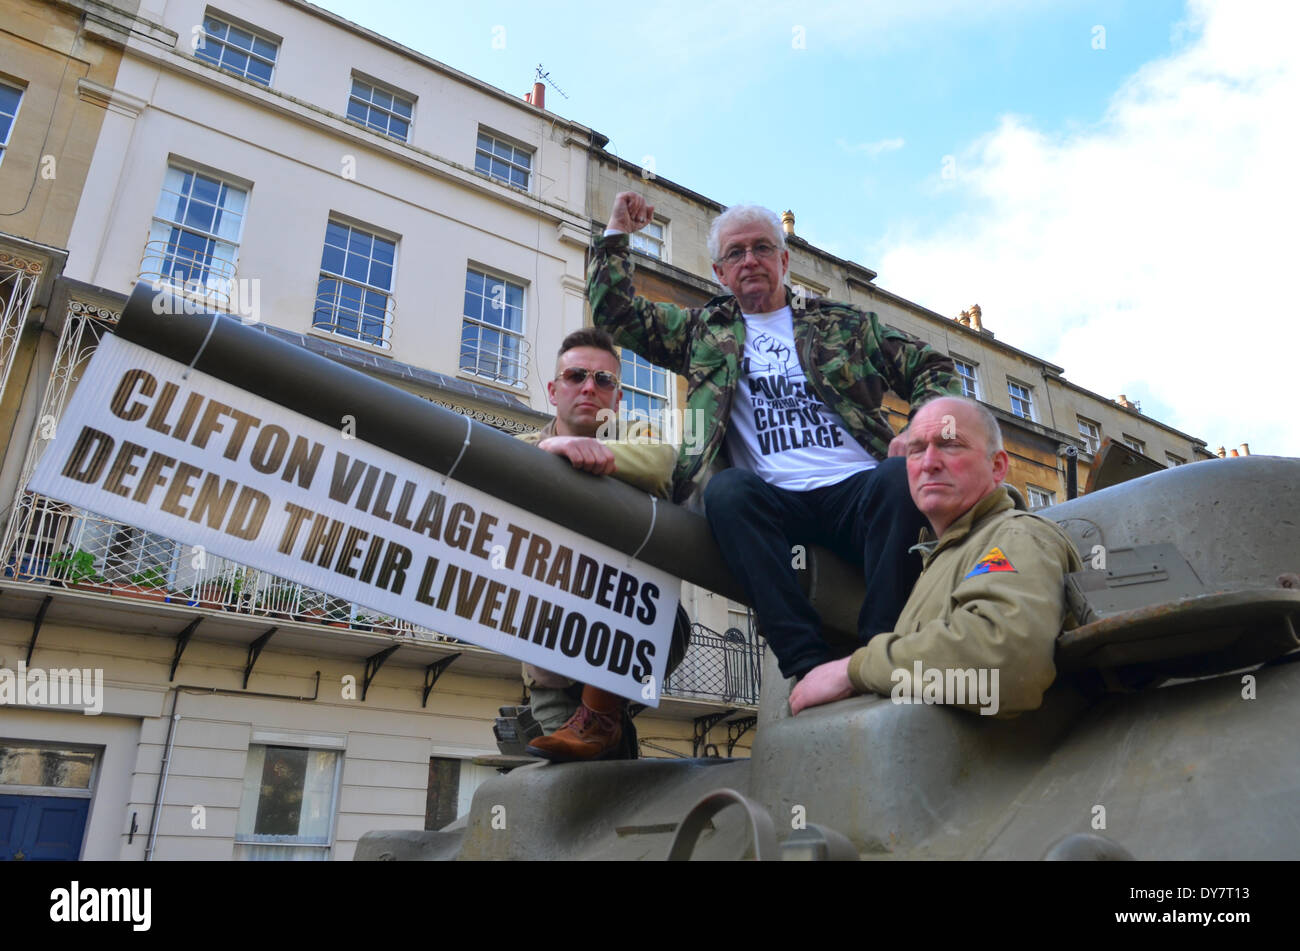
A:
x: 630, y: 212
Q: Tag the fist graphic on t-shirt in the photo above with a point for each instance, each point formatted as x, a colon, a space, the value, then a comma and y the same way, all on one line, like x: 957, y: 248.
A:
x: 780, y: 355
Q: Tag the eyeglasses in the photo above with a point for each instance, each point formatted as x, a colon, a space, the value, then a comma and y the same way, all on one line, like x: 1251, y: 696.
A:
x: 576, y: 376
x: 762, y: 251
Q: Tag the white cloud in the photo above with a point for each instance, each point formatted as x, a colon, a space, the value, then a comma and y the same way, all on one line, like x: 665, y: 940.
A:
x: 1153, y: 255
x: 871, y: 148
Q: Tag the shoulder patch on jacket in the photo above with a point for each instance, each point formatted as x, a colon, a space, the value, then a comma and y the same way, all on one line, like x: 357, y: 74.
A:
x: 993, y: 561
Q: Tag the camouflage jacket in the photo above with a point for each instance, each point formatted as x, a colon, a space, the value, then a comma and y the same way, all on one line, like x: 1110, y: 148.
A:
x: 848, y: 356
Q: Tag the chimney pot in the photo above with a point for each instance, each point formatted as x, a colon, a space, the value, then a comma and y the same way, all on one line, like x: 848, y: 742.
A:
x: 539, y: 95
x: 1245, y: 449
x: 1221, y: 453
x: 787, y: 221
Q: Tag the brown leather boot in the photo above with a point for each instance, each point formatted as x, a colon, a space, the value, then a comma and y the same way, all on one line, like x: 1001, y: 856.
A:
x: 594, y: 732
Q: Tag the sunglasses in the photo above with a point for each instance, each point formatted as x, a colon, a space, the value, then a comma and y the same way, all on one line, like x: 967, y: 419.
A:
x: 577, y: 376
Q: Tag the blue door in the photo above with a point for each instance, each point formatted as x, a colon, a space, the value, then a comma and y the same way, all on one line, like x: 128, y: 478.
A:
x: 44, y: 828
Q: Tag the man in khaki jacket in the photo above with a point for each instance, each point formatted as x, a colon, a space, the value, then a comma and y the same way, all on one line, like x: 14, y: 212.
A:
x: 991, y: 596
x: 585, y: 392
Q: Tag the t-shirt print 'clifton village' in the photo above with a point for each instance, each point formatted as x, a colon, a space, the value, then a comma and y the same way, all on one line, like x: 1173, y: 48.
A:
x: 779, y: 428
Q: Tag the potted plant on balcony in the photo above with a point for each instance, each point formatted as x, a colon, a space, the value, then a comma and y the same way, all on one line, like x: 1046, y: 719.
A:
x: 77, y: 569
x: 338, y: 613
x: 150, y: 584
x: 276, y: 600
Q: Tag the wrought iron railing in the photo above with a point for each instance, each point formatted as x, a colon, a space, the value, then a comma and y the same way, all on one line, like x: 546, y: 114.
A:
x: 70, y: 547
x: 726, y: 667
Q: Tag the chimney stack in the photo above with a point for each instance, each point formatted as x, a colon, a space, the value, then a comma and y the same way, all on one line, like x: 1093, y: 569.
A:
x: 1221, y: 453
x: 787, y: 221
x: 539, y: 95
x: 976, y: 323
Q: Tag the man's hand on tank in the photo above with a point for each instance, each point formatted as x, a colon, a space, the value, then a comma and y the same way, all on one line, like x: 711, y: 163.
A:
x: 585, y: 453
x: 824, y: 684
x: 630, y: 212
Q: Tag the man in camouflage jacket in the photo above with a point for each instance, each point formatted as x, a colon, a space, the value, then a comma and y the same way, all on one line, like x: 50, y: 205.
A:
x: 847, y: 359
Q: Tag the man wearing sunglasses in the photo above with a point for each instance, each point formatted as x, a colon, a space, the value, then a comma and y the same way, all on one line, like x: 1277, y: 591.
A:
x: 791, y: 390
x: 584, y: 722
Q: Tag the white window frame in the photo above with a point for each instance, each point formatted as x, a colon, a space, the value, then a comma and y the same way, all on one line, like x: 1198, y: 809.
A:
x: 1028, y: 397
x: 629, y: 364
x: 1137, y: 445
x: 1174, y: 460
x: 224, y: 42
x: 13, y: 119
x: 372, y: 107
x: 1039, y: 497
x: 164, y: 253
x: 250, y: 844
x: 518, y: 380
x: 332, y: 326
x: 973, y: 379
x: 492, y: 155
x: 655, y: 247
x: 1092, y: 440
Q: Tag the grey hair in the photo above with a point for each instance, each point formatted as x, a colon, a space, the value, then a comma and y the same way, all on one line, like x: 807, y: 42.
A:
x: 992, y: 431
x: 744, y: 215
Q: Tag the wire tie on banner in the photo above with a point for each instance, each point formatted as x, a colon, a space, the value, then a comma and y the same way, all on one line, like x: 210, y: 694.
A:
x: 216, y: 315
x: 469, y: 430
x: 654, y: 511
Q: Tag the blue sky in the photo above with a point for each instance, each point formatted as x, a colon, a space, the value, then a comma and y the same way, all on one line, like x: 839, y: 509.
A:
x: 1077, y: 167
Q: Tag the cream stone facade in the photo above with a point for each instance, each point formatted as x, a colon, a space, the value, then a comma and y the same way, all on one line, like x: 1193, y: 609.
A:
x: 353, y: 197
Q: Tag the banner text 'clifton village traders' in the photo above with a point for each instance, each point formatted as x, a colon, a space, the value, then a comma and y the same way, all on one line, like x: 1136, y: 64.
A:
x: 206, y: 463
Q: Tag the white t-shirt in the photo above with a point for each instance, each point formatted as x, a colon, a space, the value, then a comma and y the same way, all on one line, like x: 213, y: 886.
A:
x: 779, y: 428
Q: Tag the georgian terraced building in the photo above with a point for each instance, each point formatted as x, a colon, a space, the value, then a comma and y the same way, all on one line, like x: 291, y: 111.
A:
x: 359, y: 200
x: 383, y: 210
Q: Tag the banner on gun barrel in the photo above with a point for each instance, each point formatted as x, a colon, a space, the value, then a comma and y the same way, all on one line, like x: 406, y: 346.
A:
x: 206, y: 463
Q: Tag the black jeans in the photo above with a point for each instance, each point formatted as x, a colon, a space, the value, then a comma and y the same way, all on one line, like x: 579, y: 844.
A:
x: 867, y: 519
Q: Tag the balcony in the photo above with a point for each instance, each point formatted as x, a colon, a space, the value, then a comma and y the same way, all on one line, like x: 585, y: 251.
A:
x: 52, y: 543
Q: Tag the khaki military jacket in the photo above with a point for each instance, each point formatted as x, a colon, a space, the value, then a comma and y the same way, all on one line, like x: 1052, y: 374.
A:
x: 991, y: 596
x: 647, y: 466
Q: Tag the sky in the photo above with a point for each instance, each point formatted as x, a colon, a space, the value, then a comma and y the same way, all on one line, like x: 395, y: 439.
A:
x: 1113, y: 181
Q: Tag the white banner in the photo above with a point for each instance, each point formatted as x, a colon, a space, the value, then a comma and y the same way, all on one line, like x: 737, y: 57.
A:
x: 206, y: 463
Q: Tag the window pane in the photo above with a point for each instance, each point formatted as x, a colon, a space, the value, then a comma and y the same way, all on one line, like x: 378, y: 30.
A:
x: 264, y: 48
x: 381, y: 275
x: 398, y: 128
x: 482, y: 163
x: 332, y: 259
x: 402, y: 107
x: 241, y: 38
x: 234, y: 60
x: 259, y: 71
x: 357, y: 110
x: 41, y: 766
x: 357, y: 268
x: 9, y: 98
